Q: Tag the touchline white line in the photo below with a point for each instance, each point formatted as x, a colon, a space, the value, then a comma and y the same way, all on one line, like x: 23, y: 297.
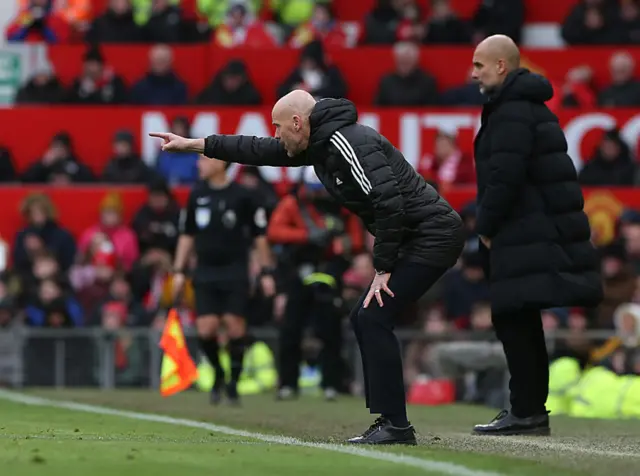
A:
x: 441, y: 467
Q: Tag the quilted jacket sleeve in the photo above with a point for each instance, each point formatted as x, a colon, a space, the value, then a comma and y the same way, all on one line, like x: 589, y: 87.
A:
x: 251, y: 150
x: 381, y: 185
x: 511, y: 145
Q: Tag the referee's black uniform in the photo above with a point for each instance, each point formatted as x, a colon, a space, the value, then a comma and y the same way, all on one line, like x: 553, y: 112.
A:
x: 418, y: 236
x: 224, y: 223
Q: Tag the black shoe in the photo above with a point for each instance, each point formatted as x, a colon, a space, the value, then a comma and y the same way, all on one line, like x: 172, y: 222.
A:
x: 506, y: 424
x: 232, y: 393
x: 216, y: 393
x: 382, y: 432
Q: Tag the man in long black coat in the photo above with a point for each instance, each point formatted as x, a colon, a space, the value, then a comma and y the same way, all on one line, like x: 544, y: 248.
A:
x: 535, y: 236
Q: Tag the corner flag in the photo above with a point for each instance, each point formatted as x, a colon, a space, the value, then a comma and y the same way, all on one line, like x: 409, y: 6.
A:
x: 178, y: 369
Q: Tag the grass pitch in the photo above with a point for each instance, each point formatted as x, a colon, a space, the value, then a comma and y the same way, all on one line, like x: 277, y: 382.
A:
x: 46, y: 439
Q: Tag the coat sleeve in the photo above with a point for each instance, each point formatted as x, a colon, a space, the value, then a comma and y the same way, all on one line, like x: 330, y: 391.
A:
x: 511, y: 143
x: 372, y: 172
x: 251, y: 150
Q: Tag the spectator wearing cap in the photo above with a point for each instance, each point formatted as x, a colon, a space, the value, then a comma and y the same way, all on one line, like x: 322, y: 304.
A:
x: 241, y: 29
x: 115, y: 25
x: 43, y: 88
x: 315, y: 75
x: 58, y: 164
x: 465, y: 287
x: 161, y: 86
x: 619, y: 282
x: 98, y: 83
x: 126, y: 166
x: 156, y: 222
x: 321, y: 26
x: 38, y: 21
x: 448, y: 165
x: 178, y: 168
x: 409, y: 84
x: 231, y: 87
x: 611, y: 165
x: 111, y: 226
x: 41, y: 233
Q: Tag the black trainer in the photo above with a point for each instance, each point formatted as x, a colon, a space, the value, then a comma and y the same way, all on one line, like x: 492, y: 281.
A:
x: 506, y: 424
x: 382, y: 432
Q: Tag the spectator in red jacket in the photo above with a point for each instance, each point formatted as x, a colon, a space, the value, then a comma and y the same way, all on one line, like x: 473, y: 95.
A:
x: 448, y: 165
x: 578, y: 90
x: 38, y: 22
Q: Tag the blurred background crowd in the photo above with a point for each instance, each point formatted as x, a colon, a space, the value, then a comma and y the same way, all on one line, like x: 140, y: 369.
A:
x: 113, y: 271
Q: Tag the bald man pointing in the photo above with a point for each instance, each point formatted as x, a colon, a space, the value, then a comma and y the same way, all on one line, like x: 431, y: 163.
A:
x: 535, y: 236
x: 418, y: 236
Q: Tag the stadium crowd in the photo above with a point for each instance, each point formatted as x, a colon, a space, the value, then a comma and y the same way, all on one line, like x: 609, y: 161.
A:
x: 117, y: 274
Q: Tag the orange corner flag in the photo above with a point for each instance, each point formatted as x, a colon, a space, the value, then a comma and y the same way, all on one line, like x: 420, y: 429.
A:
x: 178, y: 369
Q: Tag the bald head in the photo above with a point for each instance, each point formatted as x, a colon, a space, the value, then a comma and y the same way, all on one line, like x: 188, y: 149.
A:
x: 501, y: 47
x: 297, y: 102
x: 494, y: 58
x: 290, y: 116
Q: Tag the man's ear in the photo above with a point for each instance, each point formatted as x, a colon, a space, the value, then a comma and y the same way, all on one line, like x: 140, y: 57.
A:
x: 297, y: 122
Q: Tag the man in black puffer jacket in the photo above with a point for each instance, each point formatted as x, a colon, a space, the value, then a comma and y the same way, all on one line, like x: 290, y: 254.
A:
x: 535, y: 236
x: 418, y: 235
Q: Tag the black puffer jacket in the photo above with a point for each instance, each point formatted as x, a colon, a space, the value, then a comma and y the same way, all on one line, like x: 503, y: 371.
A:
x: 366, y: 174
x: 530, y: 203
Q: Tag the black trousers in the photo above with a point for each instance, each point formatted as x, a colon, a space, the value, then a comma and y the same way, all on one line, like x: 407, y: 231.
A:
x: 524, y: 345
x: 379, y: 347
x: 311, y: 305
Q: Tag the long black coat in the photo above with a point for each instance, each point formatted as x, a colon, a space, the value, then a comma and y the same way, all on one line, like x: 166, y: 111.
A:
x: 530, y: 204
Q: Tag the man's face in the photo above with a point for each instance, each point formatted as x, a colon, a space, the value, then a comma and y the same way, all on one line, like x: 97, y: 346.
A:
x: 291, y: 132
x: 161, y: 61
x: 487, y: 71
x: 208, y: 168
x: 621, y: 69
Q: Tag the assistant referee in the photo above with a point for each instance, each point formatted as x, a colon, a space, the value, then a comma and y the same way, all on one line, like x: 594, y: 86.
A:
x: 223, y: 221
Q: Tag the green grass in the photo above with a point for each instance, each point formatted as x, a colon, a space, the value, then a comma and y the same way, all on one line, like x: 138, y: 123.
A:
x: 37, y: 440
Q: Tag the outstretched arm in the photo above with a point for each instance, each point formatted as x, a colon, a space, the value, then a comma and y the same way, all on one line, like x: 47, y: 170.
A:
x: 249, y: 150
